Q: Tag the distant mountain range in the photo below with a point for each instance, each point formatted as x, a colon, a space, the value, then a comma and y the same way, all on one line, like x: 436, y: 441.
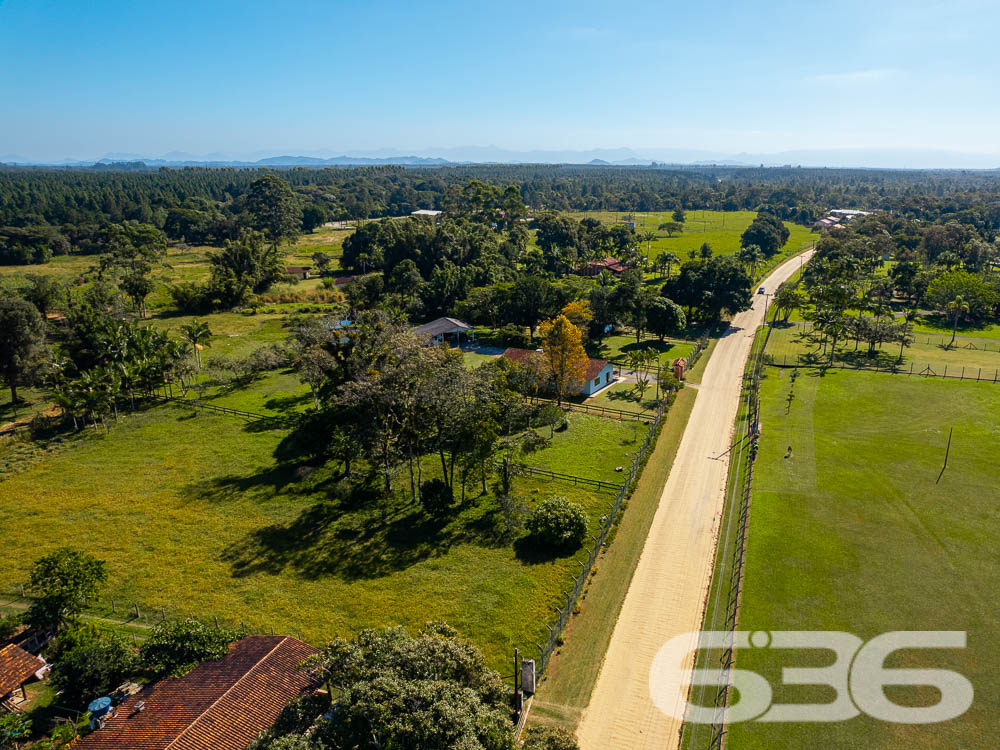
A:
x: 834, y: 158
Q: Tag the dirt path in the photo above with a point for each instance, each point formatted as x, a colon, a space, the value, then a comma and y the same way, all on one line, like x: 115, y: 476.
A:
x: 667, y: 593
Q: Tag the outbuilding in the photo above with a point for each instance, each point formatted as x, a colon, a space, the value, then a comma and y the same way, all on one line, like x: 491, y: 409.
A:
x: 450, y: 330
x: 17, y: 667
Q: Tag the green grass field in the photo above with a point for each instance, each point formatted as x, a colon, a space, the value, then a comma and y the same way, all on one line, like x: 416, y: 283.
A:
x: 720, y: 229
x: 850, y: 531
x: 198, y: 514
x: 788, y: 345
x: 590, y: 447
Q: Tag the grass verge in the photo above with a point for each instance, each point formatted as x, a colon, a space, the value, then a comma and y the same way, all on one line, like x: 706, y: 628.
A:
x: 566, y: 687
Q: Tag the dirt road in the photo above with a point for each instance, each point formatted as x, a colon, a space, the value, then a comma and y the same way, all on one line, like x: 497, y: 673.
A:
x: 667, y: 592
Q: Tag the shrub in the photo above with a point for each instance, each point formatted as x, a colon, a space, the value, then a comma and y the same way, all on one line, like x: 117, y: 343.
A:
x: 512, y: 335
x: 174, y: 648
x: 549, y: 738
x: 558, y: 523
x: 436, y: 495
x: 90, y: 664
x: 8, y: 626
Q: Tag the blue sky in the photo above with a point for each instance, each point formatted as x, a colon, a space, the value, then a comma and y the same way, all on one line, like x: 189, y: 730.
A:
x: 81, y: 79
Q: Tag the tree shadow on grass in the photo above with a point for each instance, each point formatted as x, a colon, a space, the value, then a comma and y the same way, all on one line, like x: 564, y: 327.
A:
x: 329, y: 538
x: 528, y: 550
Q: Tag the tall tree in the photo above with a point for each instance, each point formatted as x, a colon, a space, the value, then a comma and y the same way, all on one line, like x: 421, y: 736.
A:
x: 61, y: 582
x: 664, y: 317
x: 956, y: 308
x: 22, y: 341
x: 564, y: 355
x: 273, y: 208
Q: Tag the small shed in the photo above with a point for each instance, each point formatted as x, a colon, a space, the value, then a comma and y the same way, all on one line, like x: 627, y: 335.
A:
x: 17, y: 667
x: 679, y: 365
x: 600, y: 373
x: 301, y: 272
x: 448, y: 330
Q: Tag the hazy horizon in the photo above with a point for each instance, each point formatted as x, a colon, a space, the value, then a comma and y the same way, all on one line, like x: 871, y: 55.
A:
x: 862, y: 84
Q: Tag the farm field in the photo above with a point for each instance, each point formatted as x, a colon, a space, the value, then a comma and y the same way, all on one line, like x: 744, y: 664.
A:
x: 850, y: 531
x: 791, y: 344
x: 189, y: 264
x: 720, y: 229
x: 210, y: 517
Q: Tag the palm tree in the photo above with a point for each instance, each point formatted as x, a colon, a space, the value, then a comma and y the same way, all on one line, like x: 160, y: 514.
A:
x: 197, y: 333
x: 750, y: 256
x: 905, y: 333
x: 668, y: 259
x: 955, y: 308
x: 647, y: 237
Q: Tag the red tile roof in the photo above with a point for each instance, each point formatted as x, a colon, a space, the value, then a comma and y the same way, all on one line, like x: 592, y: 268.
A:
x: 16, y: 668
x: 219, y: 705
x: 594, y: 367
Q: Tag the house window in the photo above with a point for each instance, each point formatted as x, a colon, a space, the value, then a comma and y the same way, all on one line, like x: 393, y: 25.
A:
x: 607, y: 377
x: 597, y: 380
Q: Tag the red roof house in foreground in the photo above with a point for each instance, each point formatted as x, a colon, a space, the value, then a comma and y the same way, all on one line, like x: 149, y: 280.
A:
x: 219, y: 705
x: 17, y: 666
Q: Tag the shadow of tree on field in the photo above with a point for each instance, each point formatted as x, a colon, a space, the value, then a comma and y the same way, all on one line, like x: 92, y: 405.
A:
x: 337, y: 538
x: 528, y: 550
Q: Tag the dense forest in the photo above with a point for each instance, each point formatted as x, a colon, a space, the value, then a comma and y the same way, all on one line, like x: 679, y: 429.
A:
x: 45, y: 211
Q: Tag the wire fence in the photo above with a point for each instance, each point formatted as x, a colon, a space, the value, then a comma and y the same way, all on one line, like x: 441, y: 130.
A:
x: 936, y: 370
x: 134, y: 619
x: 961, y: 342
x: 723, y: 608
x: 248, y: 415
x: 603, y: 411
x: 564, y: 612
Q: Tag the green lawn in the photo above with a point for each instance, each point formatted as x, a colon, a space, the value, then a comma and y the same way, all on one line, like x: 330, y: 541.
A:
x: 850, y: 531
x: 199, y: 514
x: 590, y: 447
x: 938, y: 325
x: 619, y: 346
x: 792, y: 344
x: 720, y: 229
x: 625, y: 396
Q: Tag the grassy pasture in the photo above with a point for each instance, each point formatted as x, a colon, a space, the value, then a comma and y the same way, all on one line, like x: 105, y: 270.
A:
x: 201, y: 514
x: 720, y: 229
x: 851, y: 532
x: 788, y: 343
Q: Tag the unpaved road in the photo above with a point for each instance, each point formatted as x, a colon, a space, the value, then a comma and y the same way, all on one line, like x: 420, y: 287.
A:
x: 668, y: 591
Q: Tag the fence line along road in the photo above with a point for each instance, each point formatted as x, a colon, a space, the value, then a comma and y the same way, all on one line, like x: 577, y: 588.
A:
x: 668, y: 590
x: 976, y: 374
x: 603, y: 411
x: 565, y: 611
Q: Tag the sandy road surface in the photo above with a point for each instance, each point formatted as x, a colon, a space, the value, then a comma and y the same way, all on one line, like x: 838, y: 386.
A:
x: 667, y: 592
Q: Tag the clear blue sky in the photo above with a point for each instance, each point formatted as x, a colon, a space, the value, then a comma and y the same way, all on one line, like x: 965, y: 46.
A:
x: 81, y: 79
